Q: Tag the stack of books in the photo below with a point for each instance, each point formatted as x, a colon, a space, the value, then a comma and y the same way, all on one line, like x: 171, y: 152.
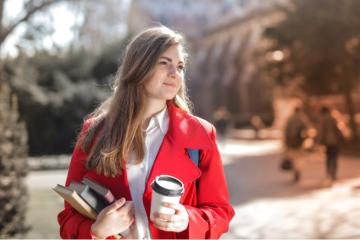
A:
x: 88, y: 198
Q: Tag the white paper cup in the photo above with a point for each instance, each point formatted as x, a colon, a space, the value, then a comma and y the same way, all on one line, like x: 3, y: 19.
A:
x: 166, y: 189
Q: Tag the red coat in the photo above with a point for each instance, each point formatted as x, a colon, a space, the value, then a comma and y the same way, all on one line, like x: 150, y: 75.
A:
x: 209, y: 210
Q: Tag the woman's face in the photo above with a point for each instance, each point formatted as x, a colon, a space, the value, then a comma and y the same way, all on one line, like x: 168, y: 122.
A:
x: 168, y: 75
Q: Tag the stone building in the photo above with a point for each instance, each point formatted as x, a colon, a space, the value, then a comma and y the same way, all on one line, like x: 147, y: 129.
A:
x: 227, y: 71
x: 224, y: 38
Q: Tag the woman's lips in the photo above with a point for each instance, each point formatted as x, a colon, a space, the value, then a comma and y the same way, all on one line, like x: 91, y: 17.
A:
x: 170, y: 85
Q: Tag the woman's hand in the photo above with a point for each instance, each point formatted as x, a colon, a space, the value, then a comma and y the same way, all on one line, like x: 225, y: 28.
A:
x: 114, y: 219
x: 177, y: 222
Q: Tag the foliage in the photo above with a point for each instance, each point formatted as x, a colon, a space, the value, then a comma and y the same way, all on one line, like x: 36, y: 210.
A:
x: 321, y: 39
x: 13, y: 166
x: 57, y: 92
x: 318, y: 47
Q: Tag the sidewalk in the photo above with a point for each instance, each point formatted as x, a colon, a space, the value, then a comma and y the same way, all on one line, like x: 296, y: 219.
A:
x: 269, y: 205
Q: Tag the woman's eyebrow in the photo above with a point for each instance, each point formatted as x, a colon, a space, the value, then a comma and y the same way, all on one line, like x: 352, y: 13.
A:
x: 169, y: 59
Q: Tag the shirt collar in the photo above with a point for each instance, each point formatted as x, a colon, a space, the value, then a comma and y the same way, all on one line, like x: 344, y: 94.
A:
x: 161, y: 119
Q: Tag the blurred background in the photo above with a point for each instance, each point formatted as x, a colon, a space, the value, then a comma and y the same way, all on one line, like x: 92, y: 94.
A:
x: 278, y: 78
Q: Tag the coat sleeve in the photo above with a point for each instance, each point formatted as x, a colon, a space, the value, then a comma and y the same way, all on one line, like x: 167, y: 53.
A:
x: 73, y: 225
x: 211, y: 218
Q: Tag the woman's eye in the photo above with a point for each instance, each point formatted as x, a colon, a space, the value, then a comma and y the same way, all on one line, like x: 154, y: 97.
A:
x: 181, y: 67
x: 163, y: 63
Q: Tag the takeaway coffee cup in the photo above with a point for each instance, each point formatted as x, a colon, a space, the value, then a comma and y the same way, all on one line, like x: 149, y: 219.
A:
x: 165, y: 189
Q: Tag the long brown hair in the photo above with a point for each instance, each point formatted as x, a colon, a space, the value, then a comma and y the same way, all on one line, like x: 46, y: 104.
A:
x: 117, y: 127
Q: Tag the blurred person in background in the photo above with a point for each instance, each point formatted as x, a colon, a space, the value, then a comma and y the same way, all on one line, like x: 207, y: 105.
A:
x: 329, y: 135
x: 222, y: 120
x: 257, y: 124
x: 295, y: 134
x: 141, y: 131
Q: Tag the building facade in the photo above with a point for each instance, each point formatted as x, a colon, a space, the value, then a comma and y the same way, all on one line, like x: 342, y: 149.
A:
x: 224, y: 40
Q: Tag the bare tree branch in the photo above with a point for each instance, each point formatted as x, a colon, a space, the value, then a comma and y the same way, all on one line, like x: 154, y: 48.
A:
x: 29, y: 13
x: 1, y: 14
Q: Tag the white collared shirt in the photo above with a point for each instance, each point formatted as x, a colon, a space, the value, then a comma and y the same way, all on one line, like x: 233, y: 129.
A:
x: 138, y: 174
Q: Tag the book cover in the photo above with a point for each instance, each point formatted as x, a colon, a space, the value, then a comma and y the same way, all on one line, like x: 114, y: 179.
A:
x: 71, y: 196
x: 89, y: 195
x: 102, y: 191
x: 76, y: 201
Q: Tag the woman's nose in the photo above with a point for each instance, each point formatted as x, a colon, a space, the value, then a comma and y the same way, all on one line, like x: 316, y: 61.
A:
x: 173, y: 73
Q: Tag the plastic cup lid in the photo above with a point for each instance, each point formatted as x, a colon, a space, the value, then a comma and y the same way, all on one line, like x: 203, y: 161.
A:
x: 168, y: 186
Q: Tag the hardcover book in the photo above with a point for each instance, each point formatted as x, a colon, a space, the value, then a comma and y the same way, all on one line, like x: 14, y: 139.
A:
x: 76, y: 201
x: 89, y: 195
x: 102, y: 191
x: 73, y: 198
x: 105, y: 195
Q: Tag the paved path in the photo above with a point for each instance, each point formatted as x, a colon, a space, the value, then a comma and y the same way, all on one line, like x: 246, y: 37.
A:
x: 46, y: 179
x: 266, y: 203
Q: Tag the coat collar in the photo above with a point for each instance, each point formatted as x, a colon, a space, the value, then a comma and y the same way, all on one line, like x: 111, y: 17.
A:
x: 186, y: 130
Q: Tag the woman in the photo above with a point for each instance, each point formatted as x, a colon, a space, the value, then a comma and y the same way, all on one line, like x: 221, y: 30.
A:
x: 294, y: 137
x: 140, y: 132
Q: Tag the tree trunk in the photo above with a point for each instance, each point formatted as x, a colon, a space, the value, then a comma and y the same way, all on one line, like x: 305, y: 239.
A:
x: 1, y: 28
x: 1, y: 17
x: 13, y: 166
x: 350, y: 107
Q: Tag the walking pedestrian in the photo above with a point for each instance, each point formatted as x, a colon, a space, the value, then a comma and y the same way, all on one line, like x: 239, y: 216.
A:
x: 257, y: 124
x: 141, y: 131
x: 222, y: 119
x: 295, y: 134
x: 329, y: 135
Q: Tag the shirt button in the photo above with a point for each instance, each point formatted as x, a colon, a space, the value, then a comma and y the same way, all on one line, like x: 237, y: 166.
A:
x: 143, y: 169
x: 142, y: 192
x: 143, y: 215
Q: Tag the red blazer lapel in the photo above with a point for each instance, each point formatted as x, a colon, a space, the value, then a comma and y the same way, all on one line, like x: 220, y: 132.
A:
x: 185, y: 131
x: 172, y: 161
x: 169, y: 161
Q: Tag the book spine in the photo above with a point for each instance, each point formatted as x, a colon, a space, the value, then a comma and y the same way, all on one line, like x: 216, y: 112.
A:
x: 93, y: 199
x: 109, y: 198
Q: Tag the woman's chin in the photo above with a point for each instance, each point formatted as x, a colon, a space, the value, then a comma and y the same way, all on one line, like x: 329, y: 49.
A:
x: 168, y: 96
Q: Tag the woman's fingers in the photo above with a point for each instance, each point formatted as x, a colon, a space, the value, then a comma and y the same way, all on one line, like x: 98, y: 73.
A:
x: 115, y: 206
x: 168, y: 217
x: 165, y: 225
x: 175, y: 206
x: 179, y: 209
x: 127, y: 207
x: 171, y: 222
x: 132, y: 212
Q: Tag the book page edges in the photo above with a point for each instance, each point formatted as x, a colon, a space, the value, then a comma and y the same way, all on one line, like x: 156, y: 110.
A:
x: 76, y: 201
